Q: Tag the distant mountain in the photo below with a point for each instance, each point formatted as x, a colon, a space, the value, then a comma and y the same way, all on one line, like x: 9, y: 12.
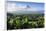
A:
x: 18, y: 12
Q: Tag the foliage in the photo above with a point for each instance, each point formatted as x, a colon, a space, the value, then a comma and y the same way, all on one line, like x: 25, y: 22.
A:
x: 25, y: 21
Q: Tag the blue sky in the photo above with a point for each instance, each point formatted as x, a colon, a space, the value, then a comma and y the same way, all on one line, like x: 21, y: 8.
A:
x: 33, y: 5
x: 38, y: 6
x: 40, y: 1
x: 21, y: 7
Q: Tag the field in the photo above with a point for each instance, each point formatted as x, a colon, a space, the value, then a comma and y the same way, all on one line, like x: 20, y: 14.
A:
x: 25, y: 21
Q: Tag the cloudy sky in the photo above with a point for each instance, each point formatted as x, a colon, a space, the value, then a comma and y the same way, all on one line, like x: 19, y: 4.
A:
x: 41, y: 1
x: 28, y: 6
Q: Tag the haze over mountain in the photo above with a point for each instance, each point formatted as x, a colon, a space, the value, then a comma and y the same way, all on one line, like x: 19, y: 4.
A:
x: 26, y: 12
x: 25, y: 8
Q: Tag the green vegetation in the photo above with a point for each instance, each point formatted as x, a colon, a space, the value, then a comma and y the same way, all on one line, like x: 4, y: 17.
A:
x: 25, y: 21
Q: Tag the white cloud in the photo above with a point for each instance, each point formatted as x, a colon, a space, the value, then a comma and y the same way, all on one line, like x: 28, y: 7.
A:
x: 13, y: 7
x: 29, y: 0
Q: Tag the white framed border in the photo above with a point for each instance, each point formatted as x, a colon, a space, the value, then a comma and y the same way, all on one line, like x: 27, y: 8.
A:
x: 3, y: 17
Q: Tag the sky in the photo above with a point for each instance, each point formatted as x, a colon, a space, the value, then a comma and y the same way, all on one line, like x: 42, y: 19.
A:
x: 32, y: 6
x: 40, y: 1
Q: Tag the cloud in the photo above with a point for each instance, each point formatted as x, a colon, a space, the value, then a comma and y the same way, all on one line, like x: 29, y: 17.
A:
x: 40, y: 1
x: 12, y: 7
